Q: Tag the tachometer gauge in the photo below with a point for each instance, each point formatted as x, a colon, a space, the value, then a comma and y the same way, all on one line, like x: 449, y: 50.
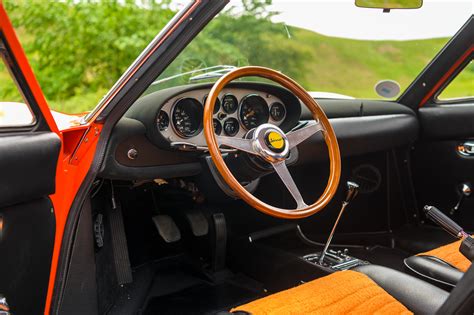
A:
x: 217, y: 104
x: 187, y: 117
x: 277, y: 111
x: 229, y: 103
x: 231, y: 126
x: 217, y: 126
x: 162, y: 121
x: 253, y: 111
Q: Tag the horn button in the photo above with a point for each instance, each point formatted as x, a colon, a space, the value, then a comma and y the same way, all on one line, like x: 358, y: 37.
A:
x: 271, y: 143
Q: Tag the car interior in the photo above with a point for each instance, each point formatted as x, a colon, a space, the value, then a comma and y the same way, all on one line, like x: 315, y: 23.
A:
x: 163, y: 232
x: 170, y: 237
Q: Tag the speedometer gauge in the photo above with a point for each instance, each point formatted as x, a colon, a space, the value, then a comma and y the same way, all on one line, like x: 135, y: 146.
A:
x: 187, y: 117
x: 253, y: 111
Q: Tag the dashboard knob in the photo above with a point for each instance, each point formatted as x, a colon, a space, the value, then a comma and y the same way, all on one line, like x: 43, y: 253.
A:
x: 132, y: 154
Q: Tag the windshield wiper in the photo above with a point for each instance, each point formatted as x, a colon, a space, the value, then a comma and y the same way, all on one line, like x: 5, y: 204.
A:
x: 207, y: 73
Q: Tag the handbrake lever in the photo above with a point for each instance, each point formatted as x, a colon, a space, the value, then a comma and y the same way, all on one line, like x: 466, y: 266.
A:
x: 445, y: 222
x: 467, y: 244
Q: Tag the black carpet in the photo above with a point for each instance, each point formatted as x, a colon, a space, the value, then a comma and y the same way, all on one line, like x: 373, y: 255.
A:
x: 200, y: 299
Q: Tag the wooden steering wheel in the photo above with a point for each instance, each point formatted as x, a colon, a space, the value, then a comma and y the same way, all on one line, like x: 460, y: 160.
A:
x: 271, y: 144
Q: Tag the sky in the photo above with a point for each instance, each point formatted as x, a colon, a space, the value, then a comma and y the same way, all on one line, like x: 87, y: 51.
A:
x: 341, y: 18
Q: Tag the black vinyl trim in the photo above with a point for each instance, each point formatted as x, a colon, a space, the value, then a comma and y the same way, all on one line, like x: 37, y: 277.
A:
x: 28, y: 162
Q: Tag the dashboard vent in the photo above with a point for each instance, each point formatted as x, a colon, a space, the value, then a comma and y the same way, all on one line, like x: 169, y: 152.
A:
x: 368, y: 177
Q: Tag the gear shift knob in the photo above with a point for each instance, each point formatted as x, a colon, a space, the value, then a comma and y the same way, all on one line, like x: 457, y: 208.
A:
x: 352, y: 191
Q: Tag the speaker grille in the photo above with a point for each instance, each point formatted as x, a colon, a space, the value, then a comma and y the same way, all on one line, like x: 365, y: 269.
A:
x: 368, y: 177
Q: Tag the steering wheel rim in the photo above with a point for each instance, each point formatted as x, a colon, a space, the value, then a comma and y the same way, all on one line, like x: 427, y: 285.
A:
x: 254, y: 145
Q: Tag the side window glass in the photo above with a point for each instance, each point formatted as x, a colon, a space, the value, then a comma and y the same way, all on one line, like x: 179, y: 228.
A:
x: 462, y: 86
x: 14, y: 110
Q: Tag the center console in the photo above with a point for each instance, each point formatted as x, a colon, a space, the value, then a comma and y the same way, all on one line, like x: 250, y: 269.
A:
x: 334, y: 260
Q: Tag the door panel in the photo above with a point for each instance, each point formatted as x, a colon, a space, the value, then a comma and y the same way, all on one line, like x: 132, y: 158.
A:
x: 438, y: 168
x: 26, y: 246
x: 28, y: 166
x: 27, y: 220
x: 444, y: 122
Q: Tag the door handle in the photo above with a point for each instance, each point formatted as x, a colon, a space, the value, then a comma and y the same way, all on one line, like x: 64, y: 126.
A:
x: 466, y: 148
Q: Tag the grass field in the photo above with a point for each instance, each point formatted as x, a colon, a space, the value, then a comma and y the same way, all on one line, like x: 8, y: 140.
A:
x: 339, y: 65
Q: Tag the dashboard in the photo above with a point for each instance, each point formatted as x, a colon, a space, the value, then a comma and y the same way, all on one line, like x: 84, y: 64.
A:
x: 173, y: 118
x: 161, y: 135
x: 236, y: 111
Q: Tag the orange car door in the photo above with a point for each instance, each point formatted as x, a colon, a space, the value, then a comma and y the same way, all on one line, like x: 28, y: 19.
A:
x: 30, y: 146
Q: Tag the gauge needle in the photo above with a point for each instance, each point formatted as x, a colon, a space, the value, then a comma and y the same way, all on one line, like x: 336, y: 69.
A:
x: 251, y: 113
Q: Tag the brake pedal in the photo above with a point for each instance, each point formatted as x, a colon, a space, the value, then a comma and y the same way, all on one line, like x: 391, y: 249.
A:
x: 167, y: 228
x: 198, y: 222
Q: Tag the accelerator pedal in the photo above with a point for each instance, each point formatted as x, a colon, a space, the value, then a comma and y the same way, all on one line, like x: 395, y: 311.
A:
x: 167, y: 228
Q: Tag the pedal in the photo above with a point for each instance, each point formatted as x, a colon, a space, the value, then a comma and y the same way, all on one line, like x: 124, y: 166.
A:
x: 167, y: 228
x: 198, y: 222
x: 219, y: 242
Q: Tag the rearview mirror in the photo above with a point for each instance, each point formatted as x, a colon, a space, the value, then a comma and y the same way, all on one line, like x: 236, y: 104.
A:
x: 387, y: 5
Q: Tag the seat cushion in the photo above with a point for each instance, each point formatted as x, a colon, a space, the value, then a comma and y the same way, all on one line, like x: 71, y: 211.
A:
x: 343, y: 292
x: 417, y: 295
x: 450, y: 253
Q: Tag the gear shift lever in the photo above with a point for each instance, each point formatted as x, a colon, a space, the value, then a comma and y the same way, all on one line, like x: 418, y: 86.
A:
x: 352, y: 190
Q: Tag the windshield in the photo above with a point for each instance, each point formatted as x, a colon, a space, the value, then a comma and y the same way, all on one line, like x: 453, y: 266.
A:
x: 333, y: 48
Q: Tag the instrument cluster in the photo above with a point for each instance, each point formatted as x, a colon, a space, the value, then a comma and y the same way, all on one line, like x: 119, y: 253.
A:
x: 236, y: 111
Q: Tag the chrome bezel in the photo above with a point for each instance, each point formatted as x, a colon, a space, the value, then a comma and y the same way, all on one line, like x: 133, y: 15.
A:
x: 179, y: 133
x: 242, y: 100
x: 223, y: 126
x: 270, y: 111
x: 157, y: 120
x: 222, y: 103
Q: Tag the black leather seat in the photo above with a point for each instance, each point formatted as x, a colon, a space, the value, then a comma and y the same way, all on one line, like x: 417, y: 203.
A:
x: 434, y: 270
x: 417, y: 295
x: 443, y: 266
x: 408, y: 292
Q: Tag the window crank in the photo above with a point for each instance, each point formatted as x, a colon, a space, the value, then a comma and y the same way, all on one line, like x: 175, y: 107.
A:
x: 464, y: 191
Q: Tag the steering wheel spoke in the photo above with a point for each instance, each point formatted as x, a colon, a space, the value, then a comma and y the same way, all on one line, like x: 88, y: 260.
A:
x: 237, y: 143
x: 297, y: 136
x: 285, y: 176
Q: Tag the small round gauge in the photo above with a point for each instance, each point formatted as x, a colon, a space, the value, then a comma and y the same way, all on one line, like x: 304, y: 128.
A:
x: 277, y: 111
x: 231, y: 126
x: 217, y: 104
x: 217, y: 126
x: 162, y: 121
x: 187, y: 117
x: 253, y: 111
x: 229, y: 103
